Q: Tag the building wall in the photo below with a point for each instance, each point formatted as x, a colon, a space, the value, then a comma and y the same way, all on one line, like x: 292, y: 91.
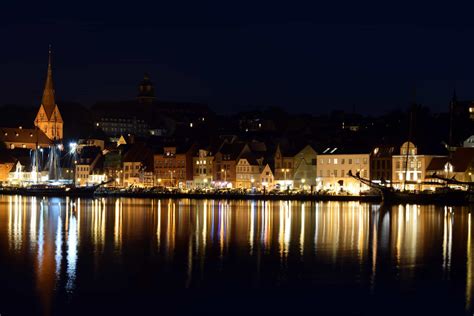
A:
x: 224, y: 170
x: 170, y: 170
x: 267, y: 180
x: 82, y: 174
x: 381, y: 168
x: 411, y: 173
x: 5, y: 169
x: 131, y: 170
x: 245, y: 173
x: 283, y: 167
x: 202, y: 170
x: 305, y: 165
x: 332, y: 170
x: 123, y: 125
x: 53, y: 127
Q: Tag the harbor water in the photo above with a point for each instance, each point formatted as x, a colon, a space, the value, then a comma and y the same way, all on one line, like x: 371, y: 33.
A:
x: 125, y: 256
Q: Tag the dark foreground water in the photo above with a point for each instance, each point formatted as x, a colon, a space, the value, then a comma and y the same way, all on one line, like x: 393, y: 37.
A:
x: 152, y: 257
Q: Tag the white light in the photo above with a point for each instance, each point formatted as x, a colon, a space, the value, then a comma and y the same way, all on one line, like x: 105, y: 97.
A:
x: 72, y: 147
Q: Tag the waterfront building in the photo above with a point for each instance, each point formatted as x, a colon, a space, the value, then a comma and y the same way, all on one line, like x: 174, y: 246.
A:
x: 7, y: 162
x: 459, y: 166
x: 202, y: 171
x: 89, y: 167
x: 225, y: 163
x: 284, y: 165
x: 381, y: 163
x: 334, y: 164
x: 48, y: 119
x: 138, y: 166
x: 113, y: 165
x: 295, y: 168
x: 267, y: 179
x: 248, y: 171
x: 305, y: 164
x: 173, y: 166
x: 409, y: 168
x: 24, y: 171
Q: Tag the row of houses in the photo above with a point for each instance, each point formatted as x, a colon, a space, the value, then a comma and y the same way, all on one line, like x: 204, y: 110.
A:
x: 232, y: 163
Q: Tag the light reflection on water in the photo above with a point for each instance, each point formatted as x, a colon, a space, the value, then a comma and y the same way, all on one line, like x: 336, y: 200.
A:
x: 60, y: 235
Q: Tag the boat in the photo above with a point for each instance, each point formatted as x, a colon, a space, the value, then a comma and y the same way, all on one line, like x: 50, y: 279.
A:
x: 52, y: 189
x: 442, y: 195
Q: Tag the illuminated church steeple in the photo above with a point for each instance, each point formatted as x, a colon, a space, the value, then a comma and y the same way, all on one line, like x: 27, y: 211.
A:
x: 49, y: 118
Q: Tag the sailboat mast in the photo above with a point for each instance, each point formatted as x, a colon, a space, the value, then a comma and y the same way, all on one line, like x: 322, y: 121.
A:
x: 410, y: 132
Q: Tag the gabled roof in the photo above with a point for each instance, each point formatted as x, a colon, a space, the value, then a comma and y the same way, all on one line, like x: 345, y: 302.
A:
x: 437, y: 163
x: 344, y: 150
x: 232, y: 151
x: 139, y: 152
x: 461, y: 160
x: 251, y: 158
x: 23, y: 135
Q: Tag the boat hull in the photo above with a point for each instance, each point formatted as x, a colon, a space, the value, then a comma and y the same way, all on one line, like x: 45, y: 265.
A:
x: 50, y: 191
x: 447, y: 197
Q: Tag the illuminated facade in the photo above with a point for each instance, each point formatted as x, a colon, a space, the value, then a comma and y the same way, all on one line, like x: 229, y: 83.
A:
x: 409, y: 167
x: 202, y: 171
x: 295, y: 168
x: 174, y: 166
x: 138, y: 166
x: 248, y: 172
x: 334, y: 165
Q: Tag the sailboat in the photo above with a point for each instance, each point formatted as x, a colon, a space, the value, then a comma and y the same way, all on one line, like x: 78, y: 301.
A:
x: 442, y: 195
x: 464, y: 193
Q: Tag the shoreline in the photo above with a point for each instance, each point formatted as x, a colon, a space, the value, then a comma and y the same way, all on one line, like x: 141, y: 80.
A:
x: 197, y: 196
x: 225, y: 196
x: 237, y: 196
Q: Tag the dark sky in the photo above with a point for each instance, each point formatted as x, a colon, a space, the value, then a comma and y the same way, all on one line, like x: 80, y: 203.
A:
x: 303, y: 56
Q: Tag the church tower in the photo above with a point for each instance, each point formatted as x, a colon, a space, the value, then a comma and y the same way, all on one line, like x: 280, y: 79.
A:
x: 146, y: 91
x: 49, y: 119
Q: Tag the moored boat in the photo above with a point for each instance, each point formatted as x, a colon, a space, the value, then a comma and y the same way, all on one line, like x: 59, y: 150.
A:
x: 50, y: 190
x: 442, y: 195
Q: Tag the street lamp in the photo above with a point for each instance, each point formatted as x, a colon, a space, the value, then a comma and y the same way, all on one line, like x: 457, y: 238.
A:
x: 225, y: 174
x: 286, y: 182
x: 171, y: 176
x: 72, y: 147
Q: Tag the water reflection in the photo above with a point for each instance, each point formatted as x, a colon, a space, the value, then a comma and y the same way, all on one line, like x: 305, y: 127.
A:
x: 61, y: 237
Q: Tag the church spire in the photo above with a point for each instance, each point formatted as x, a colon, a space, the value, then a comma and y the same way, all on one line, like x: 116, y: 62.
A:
x: 47, y: 100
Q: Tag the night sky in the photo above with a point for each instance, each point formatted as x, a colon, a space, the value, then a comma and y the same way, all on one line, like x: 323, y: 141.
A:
x: 238, y: 55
